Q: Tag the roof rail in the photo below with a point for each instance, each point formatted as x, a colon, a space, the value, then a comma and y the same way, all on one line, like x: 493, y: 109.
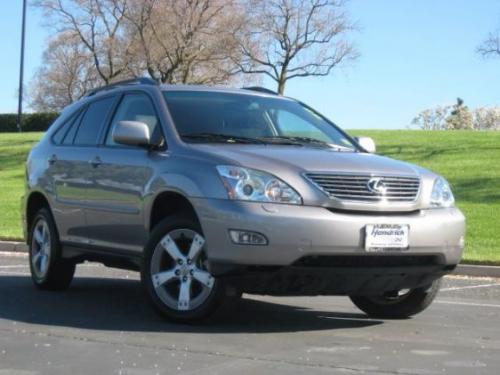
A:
x: 260, y: 89
x: 133, y: 81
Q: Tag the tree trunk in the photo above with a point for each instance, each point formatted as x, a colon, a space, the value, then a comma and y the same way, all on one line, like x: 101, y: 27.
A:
x: 282, y: 78
x: 281, y: 87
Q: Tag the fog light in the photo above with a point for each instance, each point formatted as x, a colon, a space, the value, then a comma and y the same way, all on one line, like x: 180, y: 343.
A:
x: 243, y: 237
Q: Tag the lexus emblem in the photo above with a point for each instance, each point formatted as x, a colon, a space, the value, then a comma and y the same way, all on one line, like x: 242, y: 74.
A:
x: 376, y: 186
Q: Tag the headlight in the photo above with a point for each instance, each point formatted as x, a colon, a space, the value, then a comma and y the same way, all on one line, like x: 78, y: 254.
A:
x: 252, y: 185
x: 441, y: 194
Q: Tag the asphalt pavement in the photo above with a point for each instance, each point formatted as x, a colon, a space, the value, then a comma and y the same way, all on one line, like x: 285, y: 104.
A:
x: 104, y: 325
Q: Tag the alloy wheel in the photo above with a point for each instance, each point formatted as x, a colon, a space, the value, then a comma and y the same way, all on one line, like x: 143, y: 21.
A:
x: 179, y: 270
x: 40, y: 248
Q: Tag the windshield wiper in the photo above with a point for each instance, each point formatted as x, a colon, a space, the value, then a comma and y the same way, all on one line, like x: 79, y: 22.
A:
x: 225, y: 138
x: 281, y: 141
x: 306, y: 140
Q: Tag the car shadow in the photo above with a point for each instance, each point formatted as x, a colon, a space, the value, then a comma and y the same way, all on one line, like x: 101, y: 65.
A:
x: 121, y: 305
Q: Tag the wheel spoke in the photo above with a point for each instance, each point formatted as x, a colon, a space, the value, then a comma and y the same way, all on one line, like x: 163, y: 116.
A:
x: 44, y: 234
x: 44, y: 250
x: 161, y: 278
x: 184, y: 295
x: 38, y: 237
x: 196, y: 246
x: 36, y: 257
x: 172, y: 282
x: 171, y: 248
x: 43, y: 263
x: 204, y: 278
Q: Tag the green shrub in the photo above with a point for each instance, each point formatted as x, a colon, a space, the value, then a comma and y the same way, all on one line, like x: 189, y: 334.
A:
x: 31, y: 122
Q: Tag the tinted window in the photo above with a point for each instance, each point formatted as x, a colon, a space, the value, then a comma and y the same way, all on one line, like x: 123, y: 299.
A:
x: 92, y: 121
x: 197, y: 114
x: 70, y: 134
x: 136, y: 107
x: 63, y: 129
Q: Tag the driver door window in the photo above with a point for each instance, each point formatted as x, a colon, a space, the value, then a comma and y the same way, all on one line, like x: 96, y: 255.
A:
x: 136, y: 107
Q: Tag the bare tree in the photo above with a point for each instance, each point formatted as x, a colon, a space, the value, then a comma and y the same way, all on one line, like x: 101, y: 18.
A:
x: 65, y: 75
x: 173, y: 41
x: 485, y: 118
x: 301, y: 38
x: 458, y: 116
x: 432, y: 119
x: 186, y: 41
x: 491, y: 46
x: 98, y: 25
x: 200, y: 41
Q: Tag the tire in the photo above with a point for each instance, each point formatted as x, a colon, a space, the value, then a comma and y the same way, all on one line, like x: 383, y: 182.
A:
x: 398, y: 306
x: 174, y: 263
x: 48, y: 270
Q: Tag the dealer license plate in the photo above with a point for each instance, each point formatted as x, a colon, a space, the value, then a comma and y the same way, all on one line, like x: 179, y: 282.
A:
x: 379, y: 237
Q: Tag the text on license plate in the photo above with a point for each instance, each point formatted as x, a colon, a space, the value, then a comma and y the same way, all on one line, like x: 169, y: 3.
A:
x: 386, y: 236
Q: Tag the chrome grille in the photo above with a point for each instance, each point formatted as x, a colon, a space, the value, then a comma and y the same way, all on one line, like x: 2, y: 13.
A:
x: 366, y: 188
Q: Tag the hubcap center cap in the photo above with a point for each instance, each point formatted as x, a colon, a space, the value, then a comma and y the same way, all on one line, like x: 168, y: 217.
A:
x: 184, y: 270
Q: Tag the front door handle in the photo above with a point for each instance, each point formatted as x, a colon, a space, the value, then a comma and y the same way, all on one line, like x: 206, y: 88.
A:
x: 96, y: 162
x: 52, y: 159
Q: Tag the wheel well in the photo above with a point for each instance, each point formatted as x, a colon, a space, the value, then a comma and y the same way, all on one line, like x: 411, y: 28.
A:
x: 35, y: 202
x: 167, y: 204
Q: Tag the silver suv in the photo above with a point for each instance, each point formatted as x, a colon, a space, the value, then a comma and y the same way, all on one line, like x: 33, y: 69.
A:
x: 214, y: 192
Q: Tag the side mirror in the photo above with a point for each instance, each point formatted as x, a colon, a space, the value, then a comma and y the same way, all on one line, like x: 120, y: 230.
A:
x: 367, y: 143
x: 132, y: 133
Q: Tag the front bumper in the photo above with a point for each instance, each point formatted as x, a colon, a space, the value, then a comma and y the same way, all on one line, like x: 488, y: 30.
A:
x: 297, y: 232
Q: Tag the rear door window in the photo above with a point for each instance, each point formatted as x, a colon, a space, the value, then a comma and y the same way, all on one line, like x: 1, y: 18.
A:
x: 93, y: 121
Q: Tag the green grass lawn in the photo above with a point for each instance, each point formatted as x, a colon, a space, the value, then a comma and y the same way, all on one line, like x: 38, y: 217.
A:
x: 13, y: 150
x: 469, y: 160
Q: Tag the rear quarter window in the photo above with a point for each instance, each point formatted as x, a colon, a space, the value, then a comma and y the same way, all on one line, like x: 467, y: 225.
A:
x: 70, y: 134
x: 63, y: 129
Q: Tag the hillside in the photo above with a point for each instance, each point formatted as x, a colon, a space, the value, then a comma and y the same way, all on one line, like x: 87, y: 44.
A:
x: 470, y: 161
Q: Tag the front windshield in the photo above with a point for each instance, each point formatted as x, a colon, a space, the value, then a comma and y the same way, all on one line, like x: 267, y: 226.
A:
x: 201, y: 116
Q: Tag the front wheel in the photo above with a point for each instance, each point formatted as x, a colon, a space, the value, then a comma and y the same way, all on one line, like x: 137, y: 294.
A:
x: 398, y: 304
x: 175, y: 271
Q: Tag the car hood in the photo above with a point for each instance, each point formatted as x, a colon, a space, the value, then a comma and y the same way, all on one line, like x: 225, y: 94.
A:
x: 275, y: 158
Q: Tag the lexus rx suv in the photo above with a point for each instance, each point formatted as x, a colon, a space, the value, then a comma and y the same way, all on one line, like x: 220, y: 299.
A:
x: 214, y: 192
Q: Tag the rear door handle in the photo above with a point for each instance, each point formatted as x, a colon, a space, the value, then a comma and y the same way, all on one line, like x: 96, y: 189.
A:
x: 96, y: 162
x: 52, y: 159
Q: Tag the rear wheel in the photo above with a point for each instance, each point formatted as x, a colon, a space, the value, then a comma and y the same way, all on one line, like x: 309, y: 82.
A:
x: 398, y: 304
x: 48, y: 270
x: 175, y: 271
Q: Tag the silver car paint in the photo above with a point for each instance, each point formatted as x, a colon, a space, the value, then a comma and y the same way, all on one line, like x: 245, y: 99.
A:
x: 108, y: 204
x: 298, y: 231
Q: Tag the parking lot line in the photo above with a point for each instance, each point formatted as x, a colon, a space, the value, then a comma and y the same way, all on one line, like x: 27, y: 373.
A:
x: 26, y: 265
x: 467, y: 303
x: 468, y: 287
x: 11, y: 273
x: 11, y: 254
